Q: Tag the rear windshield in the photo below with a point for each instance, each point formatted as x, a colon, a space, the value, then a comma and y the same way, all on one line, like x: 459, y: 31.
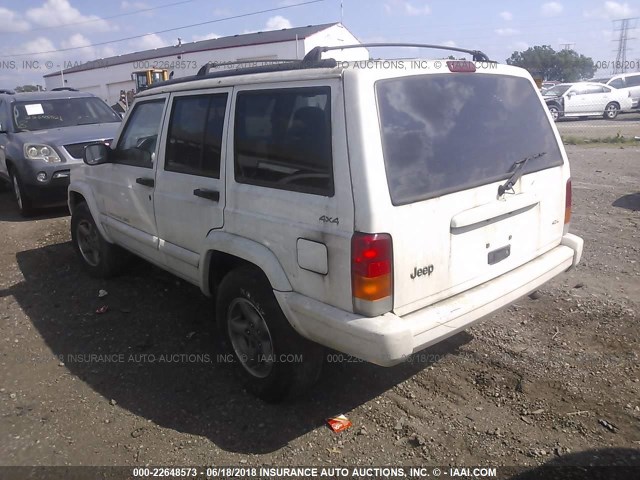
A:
x: 61, y: 112
x: 450, y: 132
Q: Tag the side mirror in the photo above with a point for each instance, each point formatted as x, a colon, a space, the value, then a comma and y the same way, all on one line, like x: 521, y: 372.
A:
x: 570, y: 94
x: 96, y: 154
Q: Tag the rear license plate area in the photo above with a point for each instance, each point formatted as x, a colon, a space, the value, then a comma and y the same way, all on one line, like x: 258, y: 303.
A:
x: 498, y: 255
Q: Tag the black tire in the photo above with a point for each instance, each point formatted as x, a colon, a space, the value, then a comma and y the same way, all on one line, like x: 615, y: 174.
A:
x: 23, y: 202
x: 272, y: 359
x: 611, y: 111
x: 100, y: 258
x: 555, y: 112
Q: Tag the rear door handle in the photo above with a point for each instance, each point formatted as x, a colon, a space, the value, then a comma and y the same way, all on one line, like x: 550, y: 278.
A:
x: 147, y: 182
x: 208, y: 194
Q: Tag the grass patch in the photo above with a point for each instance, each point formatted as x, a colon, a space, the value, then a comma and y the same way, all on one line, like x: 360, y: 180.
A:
x: 611, y: 140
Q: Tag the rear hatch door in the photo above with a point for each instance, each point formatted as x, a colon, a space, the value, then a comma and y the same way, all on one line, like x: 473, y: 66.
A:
x: 450, y: 140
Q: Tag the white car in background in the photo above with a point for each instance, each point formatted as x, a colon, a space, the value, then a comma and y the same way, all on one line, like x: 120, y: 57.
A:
x: 586, y: 99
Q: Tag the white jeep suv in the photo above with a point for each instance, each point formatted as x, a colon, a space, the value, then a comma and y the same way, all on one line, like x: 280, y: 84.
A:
x: 371, y: 209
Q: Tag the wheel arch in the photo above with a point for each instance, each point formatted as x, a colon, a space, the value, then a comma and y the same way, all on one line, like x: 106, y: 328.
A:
x: 81, y: 193
x: 223, y: 252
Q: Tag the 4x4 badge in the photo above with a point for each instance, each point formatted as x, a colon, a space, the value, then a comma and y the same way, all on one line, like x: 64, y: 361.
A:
x: 422, y: 272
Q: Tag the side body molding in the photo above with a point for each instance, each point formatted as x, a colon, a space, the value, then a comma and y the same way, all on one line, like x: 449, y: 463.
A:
x: 245, y: 249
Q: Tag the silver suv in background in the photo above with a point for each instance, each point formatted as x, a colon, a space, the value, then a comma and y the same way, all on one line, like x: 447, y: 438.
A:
x: 42, y: 138
x: 625, y: 82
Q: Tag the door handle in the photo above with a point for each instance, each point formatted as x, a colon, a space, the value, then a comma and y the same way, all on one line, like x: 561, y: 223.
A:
x: 208, y: 194
x: 147, y: 182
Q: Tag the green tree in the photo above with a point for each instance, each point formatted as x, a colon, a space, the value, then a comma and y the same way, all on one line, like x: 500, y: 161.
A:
x: 544, y: 62
x: 28, y: 88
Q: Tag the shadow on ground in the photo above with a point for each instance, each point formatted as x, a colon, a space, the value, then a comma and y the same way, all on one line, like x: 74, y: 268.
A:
x: 630, y: 202
x: 599, y: 464
x: 151, y: 314
x: 9, y: 210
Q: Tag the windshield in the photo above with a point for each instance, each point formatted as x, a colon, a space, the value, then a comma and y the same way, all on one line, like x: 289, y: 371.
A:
x: 556, y: 91
x: 444, y: 133
x: 63, y: 112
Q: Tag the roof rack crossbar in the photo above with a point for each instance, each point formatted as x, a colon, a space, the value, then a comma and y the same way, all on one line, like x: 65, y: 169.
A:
x: 64, y: 89
x: 277, y: 67
x: 7, y: 91
x: 315, y: 54
x: 204, y: 70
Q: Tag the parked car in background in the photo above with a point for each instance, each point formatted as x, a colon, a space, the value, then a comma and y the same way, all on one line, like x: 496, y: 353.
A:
x: 42, y: 138
x: 585, y: 99
x: 424, y: 199
x: 625, y: 82
x: 548, y: 84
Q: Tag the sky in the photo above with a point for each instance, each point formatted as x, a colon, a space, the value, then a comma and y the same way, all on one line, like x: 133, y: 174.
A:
x: 28, y: 28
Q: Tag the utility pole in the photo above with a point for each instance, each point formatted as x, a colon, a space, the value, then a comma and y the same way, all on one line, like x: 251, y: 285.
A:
x: 624, y: 25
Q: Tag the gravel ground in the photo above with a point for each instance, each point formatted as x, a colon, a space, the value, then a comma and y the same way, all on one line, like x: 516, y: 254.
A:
x: 552, y: 380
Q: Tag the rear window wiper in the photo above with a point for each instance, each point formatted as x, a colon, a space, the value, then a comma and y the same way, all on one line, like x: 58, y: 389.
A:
x: 517, y: 173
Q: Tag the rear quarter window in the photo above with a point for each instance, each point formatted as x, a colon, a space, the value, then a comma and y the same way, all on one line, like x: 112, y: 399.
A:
x: 443, y: 133
x: 283, y: 139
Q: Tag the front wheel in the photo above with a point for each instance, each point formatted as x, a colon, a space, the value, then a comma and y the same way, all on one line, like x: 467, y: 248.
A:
x: 23, y: 202
x: 100, y: 258
x: 555, y: 113
x: 274, y: 361
x: 611, y: 111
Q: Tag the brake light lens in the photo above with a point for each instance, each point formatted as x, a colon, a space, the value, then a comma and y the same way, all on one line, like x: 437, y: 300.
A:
x: 567, y: 204
x: 461, y: 66
x: 372, y: 273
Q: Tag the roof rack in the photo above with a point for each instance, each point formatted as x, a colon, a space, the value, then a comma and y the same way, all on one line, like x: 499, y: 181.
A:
x: 277, y: 67
x: 315, y: 54
x: 265, y: 63
x: 313, y: 59
x: 7, y: 91
x: 63, y: 89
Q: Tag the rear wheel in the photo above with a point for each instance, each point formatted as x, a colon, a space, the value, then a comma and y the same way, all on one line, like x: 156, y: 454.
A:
x: 611, y: 111
x: 100, y: 258
x: 273, y: 360
x: 23, y: 201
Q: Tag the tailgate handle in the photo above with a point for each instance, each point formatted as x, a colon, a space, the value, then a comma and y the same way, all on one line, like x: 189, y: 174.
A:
x: 212, y: 195
x: 147, y: 182
x: 489, y: 211
x: 498, y: 255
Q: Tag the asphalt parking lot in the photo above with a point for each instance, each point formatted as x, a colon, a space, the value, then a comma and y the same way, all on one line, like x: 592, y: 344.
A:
x: 555, y: 380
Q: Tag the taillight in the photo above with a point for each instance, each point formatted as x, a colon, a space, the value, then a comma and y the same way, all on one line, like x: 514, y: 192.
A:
x: 567, y: 204
x: 372, y: 273
x: 461, y: 66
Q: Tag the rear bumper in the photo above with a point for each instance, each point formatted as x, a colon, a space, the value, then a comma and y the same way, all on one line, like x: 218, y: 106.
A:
x: 387, y: 340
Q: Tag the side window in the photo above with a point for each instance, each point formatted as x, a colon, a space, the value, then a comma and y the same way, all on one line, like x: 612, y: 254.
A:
x: 4, y: 123
x: 591, y: 89
x: 633, y: 81
x: 194, y: 141
x: 283, y: 139
x: 617, y: 83
x: 137, y: 145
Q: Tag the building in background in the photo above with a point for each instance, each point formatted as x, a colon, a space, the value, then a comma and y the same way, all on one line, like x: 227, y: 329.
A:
x: 111, y: 78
